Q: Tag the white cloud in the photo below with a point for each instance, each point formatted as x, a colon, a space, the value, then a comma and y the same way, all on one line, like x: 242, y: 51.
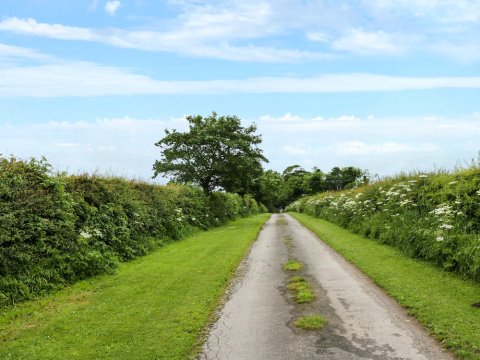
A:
x: 361, y: 148
x: 382, y: 145
x: 9, y: 52
x: 93, y: 5
x: 57, y: 78
x: 317, y: 37
x: 294, y: 150
x: 283, y: 118
x: 118, y: 146
x: 462, y: 52
x: 51, y: 77
x: 125, y: 146
x: 111, y: 7
x: 249, y: 30
x: 72, y: 79
x: 193, y: 39
x: 55, y: 31
x: 459, y: 11
x: 368, y: 43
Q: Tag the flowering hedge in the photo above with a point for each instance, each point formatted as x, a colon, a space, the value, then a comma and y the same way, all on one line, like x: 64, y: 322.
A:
x: 435, y: 217
x: 57, y: 229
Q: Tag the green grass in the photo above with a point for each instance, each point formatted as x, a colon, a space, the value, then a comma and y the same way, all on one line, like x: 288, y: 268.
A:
x: 305, y: 296
x: 293, y: 265
x: 301, y: 289
x: 153, y: 308
x: 310, y: 322
x: 439, y: 300
x: 296, y: 279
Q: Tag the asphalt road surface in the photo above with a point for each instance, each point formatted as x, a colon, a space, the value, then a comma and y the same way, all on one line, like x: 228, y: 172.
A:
x: 256, y: 322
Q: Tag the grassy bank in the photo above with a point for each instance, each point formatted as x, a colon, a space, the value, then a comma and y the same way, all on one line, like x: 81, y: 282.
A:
x: 439, y: 300
x: 154, y: 307
x: 431, y: 216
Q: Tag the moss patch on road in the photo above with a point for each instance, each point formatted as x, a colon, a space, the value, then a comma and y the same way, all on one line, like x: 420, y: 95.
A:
x: 310, y: 322
x: 441, y: 301
x: 293, y: 265
x: 301, y: 290
x: 154, y: 308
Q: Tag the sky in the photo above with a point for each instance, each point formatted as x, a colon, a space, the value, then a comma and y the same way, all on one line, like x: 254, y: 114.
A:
x: 384, y: 85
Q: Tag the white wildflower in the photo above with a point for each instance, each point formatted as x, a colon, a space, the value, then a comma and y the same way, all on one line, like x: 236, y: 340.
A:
x: 440, y: 238
x: 405, y: 202
x: 442, y: 209
x: 85, y: 235
x: 446, y: 226
x: 422, y: 176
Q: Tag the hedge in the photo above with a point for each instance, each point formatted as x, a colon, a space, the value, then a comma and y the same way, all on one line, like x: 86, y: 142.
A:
x: 435, y: 217
x: 57, y: 229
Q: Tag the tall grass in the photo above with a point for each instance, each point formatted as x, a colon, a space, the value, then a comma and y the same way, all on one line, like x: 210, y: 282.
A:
x: 432, y: 216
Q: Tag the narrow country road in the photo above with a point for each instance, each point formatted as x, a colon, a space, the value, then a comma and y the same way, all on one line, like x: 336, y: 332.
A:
x: 256, y: 322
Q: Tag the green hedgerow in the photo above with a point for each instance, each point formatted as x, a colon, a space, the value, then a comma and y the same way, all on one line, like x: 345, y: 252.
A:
x: 57, y: 229
x: 433, y: 216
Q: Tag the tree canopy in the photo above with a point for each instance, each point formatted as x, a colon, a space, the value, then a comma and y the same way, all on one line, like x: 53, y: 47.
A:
x: 216, y: 153
x: 276, y: 190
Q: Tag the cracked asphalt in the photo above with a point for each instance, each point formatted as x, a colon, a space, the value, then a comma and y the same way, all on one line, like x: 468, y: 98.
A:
x: 256, y: 321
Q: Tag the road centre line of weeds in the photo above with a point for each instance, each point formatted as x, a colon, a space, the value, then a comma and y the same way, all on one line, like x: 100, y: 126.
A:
x: 301, y: 289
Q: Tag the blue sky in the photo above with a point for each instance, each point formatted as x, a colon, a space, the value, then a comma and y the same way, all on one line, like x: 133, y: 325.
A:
x: 384, y: 85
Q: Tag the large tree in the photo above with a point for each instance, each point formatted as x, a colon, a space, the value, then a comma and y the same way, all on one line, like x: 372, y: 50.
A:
x: 271, y: 190
x: 296, y: 181
x: 346, y: 178
x: 216, y: 152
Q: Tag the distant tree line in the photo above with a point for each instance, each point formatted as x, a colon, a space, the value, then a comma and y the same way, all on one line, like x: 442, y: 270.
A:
x: 276, y: 190
x: 218, y: 153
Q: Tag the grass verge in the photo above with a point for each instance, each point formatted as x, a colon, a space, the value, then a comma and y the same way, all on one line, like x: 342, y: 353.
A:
x: 441, y: 301
x: 152, y: 308
x: 310, y: 322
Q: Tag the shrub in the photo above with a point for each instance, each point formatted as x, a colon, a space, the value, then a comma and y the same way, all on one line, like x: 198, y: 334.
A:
x: 435, y: 217
x: 57, y: 229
